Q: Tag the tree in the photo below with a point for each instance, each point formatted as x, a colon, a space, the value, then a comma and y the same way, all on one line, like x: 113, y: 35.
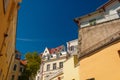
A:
x: 33, y: 65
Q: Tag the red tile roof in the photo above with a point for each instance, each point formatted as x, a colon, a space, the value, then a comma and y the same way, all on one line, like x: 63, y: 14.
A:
x: 107, y: 3
x: 23, y: 62
x: 55, y: 50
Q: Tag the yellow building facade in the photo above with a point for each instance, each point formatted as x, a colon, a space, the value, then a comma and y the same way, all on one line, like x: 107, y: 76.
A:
x: 71, y: 69
x: 99, y: 43
x: 71, y: 65
x: 8, y: 22
x: 102, y: 65
x: 17, y: 68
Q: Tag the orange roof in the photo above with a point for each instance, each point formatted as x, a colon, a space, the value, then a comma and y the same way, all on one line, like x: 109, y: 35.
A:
x: 23, y: 62
x: 55, y: 50
x: 106, y: 4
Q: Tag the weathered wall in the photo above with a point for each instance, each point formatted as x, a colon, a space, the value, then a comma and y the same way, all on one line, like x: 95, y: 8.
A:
x: 93, y: 37
x: 8, y: 18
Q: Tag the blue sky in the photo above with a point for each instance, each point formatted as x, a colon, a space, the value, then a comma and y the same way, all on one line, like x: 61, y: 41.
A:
x: 49, y: 23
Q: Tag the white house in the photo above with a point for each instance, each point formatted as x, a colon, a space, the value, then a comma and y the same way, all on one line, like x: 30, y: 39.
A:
x: 72, y: 47
x: 52, y: 62
x: 108, y: 11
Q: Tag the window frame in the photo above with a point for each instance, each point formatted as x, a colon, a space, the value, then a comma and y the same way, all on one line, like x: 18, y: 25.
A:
x: 92, y: 22
x: 54, y: 66
x: 60, y: 64
x: 15, y: 67
x: 118, y: 12
x: 48, y: 67
x: 13, y: 77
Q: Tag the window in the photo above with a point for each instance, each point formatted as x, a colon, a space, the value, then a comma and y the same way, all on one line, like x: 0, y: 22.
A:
x: 57, y: 55
x: 72, y: 48
x: 92, y: 22
x: 15, y: 66
x: 91, y: 79
x: 38, y: 78
x: 48, y: 67
x: 5, y: 2
x: 12, y: 77
x: 19, y: 77
x: 51, y: 56
x: 118, y: 11
x: 54, y: 66
x: 21, y: 69
x: 60, y: 54
x: 17, y: 56
x: 61, y: 64
x: 48, y: 57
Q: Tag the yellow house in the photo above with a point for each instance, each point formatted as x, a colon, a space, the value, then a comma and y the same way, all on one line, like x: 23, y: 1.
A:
x: 8, y: 22
x: 99, y: 43
x: 71, y: 66
x: 102, y: 65
x: 71, y: 69
x: 17, y: 68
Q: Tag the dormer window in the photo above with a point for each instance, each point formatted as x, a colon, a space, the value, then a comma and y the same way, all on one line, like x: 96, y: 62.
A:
x: 48, y: 57
x: 57, y: 55
x: 118, y: 11
x: 60, y: 54
x: 51, y: 56
x: 72, y: 48
x: 92, y: 22
x: 45, y: 51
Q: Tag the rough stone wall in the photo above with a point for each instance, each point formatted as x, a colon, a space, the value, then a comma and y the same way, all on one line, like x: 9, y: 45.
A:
x: 92, y: 37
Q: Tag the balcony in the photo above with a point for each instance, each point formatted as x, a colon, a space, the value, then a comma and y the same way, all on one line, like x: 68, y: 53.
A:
x: 100, y: 19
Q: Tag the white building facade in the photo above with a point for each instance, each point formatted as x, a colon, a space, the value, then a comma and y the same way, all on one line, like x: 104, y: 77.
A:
x: 72, y: 47
x: 52, y: 62
x: 108, y: 11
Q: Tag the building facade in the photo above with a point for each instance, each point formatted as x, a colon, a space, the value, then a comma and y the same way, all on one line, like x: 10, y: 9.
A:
x: 72, y: 47
x: 17, y: 68
x: 8, y: 22
x: 52, y: 62
x: 99, y: 43
x: 71, y: 66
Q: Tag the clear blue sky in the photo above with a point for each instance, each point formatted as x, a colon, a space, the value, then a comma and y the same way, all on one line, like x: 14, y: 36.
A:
x: 50, y: 23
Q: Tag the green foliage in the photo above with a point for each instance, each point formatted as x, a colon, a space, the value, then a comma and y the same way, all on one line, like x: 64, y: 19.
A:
x: 33, y: 64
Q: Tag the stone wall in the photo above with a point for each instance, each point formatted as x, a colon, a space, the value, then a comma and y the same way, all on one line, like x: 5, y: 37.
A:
x: 93, y: 37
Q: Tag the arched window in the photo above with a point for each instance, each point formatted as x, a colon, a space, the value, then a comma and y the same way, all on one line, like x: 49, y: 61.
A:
x: 15, y: 66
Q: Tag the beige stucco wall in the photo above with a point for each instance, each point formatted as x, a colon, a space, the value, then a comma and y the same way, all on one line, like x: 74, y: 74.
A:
x: 70, y: 71
x: 51, y: 71
x: 103, y: 65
